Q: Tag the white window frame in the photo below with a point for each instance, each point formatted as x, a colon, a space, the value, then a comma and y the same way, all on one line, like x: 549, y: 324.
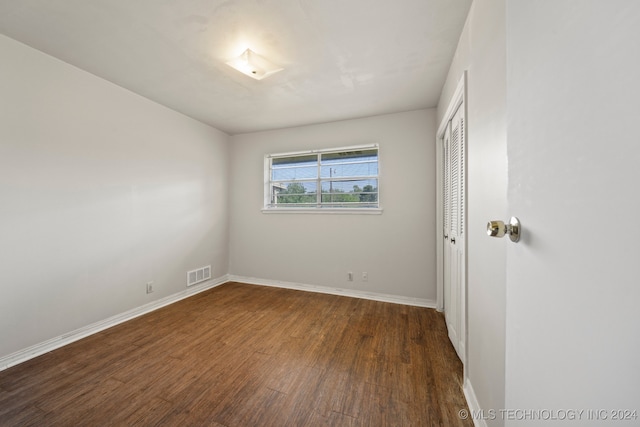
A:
x: 317, y: 209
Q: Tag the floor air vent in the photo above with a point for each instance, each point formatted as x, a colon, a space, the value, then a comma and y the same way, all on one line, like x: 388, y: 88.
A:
x: 198, y: 275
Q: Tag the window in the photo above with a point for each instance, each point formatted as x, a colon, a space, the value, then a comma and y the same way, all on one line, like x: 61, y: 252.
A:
x: 338, y: 179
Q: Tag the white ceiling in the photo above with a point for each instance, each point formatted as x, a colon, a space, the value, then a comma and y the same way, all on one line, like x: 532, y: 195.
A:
x: 342, y: 59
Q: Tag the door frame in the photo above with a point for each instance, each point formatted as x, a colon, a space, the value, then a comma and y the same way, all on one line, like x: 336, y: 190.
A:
x: 458, y: 98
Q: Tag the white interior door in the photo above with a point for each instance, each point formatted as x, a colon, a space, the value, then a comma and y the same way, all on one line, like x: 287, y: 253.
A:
x: 454, y: 228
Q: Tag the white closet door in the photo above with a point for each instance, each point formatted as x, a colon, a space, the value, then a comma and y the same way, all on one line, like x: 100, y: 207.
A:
x: 454, y: 224
x: 446, y: 201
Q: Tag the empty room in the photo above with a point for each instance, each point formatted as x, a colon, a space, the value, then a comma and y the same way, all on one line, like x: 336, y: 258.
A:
x: 306, y: 213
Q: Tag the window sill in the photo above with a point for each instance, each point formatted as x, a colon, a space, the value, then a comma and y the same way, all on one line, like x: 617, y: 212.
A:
x: 329, y: 211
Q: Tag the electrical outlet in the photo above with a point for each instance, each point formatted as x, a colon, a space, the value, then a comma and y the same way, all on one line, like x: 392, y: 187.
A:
x: 149, y: 287
x: 350, y: 276
x: 365, y: 276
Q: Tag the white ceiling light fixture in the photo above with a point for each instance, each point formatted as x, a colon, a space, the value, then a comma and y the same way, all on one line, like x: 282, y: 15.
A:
x: 254, y: 65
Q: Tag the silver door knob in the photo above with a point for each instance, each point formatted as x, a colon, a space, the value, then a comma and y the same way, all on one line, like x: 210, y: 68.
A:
x: 499, y: 229
x: 496, y: 228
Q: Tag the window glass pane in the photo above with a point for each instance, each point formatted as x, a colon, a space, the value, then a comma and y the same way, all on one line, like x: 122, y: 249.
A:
x: 288, y: 200
x: 351, y: 163
x: 294, y: 160
x: 349, y: 156
x: 351, y: 191
x: 350, y: 200
x: 295, y: 167
x: 344, y: 202
x: 350, y: 186
x: 291, y: 174
x: 293, y: 192
x: 348, y: 170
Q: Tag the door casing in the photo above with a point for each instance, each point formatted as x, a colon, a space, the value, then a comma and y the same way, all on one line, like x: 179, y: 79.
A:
x: 458, y: 100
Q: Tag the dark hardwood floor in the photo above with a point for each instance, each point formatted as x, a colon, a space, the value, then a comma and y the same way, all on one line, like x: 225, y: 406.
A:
x: 245, y: 355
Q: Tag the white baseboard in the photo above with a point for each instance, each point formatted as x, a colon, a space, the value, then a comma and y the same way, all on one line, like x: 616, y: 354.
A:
x: 62, y: 340
x: 472, y: 402
x: 396, y: 299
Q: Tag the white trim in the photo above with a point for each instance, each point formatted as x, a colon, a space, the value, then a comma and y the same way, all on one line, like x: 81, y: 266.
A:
x: 458, y: 98
x: 439, y: 226
x: 346, y: 211
x: 395, y: 299
x: 83, y: 332
x: 472, y: 403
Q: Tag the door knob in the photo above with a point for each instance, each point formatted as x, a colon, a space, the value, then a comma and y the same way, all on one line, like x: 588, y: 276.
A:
x: 496, y: 228
x: 499, y: 229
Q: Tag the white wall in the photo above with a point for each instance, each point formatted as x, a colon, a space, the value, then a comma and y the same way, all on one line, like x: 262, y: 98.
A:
x: 553, y: 320
x: 573, y: 322
x: 481, y: 51
x: 100, y: 191
x: 396, y: 248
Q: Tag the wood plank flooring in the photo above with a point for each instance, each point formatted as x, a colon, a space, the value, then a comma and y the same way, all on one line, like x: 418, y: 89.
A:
x: 245, y: 355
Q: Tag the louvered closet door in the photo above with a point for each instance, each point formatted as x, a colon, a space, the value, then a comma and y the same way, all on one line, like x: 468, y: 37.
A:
x: 454, y: 250
x: 446, y: 199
